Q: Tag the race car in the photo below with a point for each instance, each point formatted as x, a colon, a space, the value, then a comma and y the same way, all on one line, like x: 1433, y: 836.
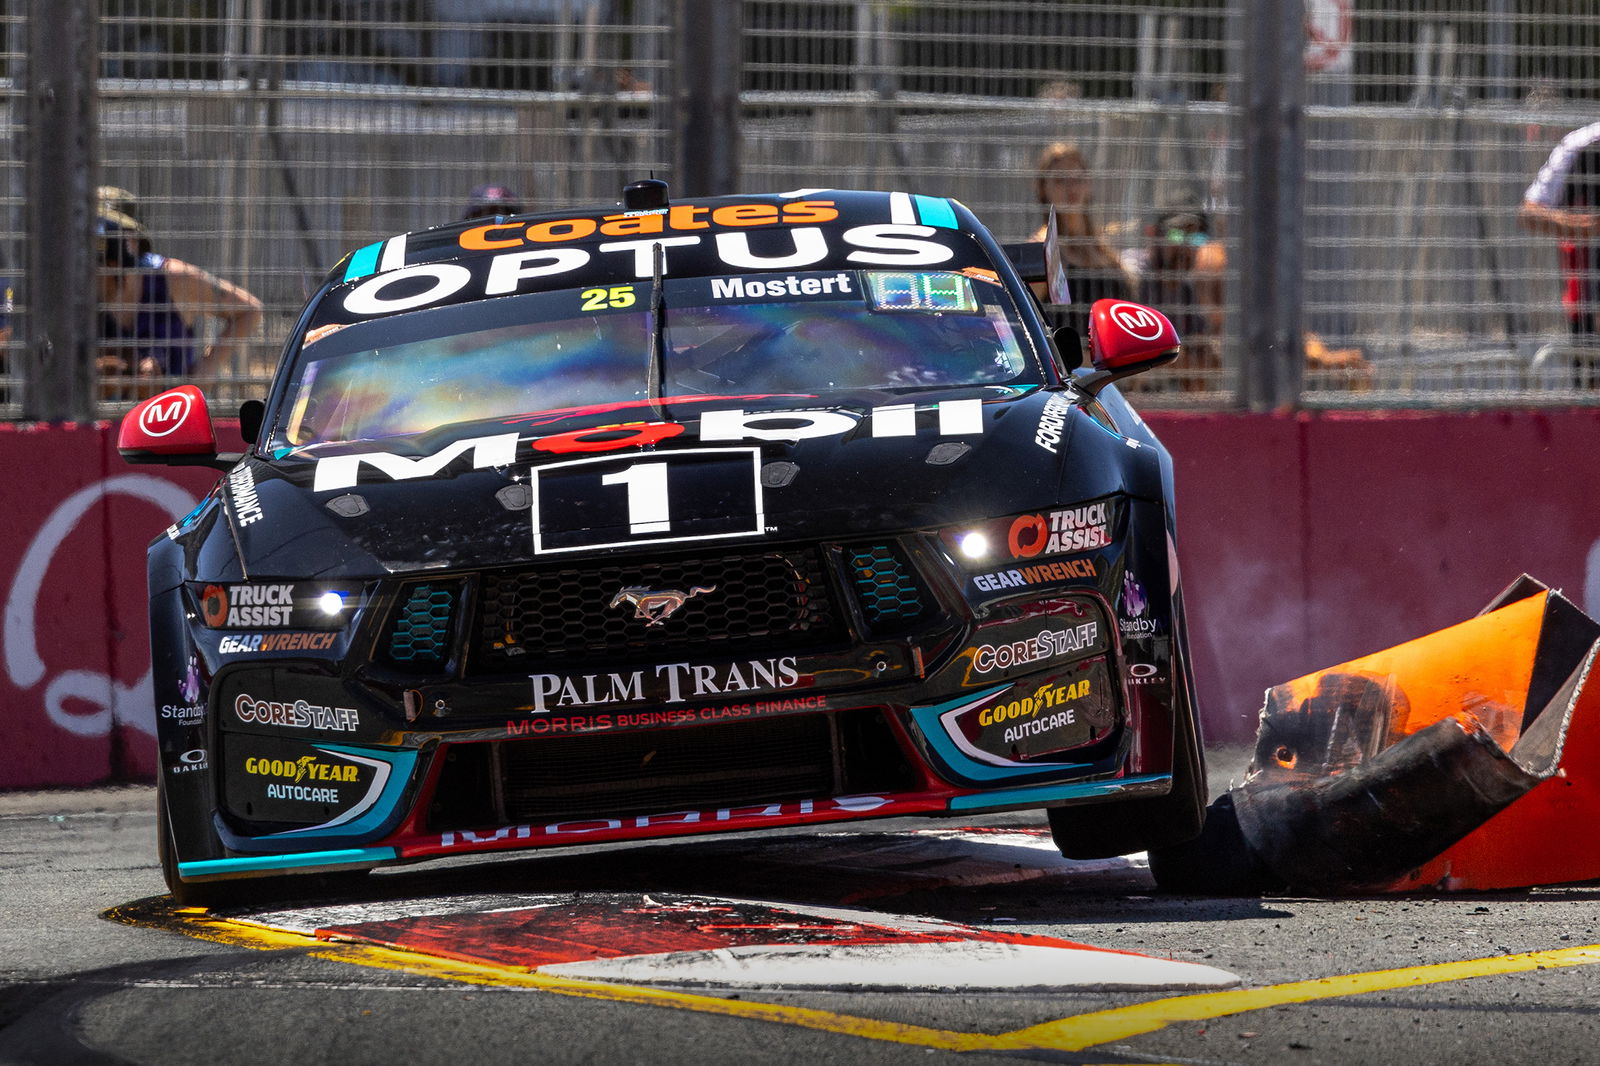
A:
x: 667, y: 518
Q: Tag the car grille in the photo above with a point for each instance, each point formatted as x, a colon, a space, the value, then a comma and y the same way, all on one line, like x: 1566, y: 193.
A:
x: 891, y: 595
x: 754, y: 599
x: 420, y: 632
x: 617, y: 775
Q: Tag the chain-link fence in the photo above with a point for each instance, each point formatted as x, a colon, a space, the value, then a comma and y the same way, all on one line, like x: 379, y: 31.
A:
x: 261, y: 139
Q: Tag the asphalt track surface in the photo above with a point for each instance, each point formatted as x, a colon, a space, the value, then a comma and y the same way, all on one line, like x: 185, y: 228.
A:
x: 97, y: 966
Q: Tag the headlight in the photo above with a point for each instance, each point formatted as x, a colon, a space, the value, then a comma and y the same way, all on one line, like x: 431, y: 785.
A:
x: 1024, y: 539
x: 275, y: 605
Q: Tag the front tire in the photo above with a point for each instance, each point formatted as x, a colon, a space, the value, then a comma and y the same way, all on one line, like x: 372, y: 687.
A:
x: 1102, y: 830
x: 207, y: 894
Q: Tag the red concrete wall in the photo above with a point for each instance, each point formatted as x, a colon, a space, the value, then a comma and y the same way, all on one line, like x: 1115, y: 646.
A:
x: 75, y: 705
x: 1305, y: 541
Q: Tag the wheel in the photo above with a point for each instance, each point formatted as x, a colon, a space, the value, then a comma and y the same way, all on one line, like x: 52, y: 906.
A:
x: 1218, y: 862
x: 1099, y: 831
x: 241, y: 891
x: 191, y: 893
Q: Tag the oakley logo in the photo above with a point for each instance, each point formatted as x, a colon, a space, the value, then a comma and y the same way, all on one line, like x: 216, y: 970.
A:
x: 656, y: 607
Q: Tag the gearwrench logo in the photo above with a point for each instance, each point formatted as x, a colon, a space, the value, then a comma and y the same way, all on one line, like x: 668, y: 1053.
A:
x: 113, y: 704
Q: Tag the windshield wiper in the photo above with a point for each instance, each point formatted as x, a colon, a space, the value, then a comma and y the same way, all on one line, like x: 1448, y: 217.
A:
x: 658, y: 332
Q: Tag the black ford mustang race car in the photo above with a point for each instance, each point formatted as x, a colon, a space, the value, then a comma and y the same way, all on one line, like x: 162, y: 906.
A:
x: 670, y: 518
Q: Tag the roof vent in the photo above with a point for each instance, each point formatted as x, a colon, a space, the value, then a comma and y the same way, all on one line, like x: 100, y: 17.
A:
x: 645, y: 194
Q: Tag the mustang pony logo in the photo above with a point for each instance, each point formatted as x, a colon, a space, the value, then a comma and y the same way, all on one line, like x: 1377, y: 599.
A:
x: 656, y: 607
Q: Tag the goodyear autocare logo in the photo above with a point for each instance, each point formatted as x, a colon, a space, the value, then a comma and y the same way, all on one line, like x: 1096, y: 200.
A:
x: 1064, y: 532
x: 1045, y: 710
x: 305, y: 768
x: 306, y: 779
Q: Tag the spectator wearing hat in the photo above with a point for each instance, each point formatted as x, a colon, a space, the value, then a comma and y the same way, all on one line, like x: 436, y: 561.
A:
x: 154, y: 309
x: 487, y: 201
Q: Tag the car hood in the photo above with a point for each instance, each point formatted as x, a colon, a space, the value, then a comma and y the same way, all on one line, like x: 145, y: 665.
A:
x: 740, y: 470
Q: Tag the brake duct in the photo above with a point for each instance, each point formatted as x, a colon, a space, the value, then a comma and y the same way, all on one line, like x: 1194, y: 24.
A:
x: 1465, y: 760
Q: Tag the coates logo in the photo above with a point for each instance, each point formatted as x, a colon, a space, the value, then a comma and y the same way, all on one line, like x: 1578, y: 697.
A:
x: 1139, y: 322
x: 80, y: 701
x: 165, y: 413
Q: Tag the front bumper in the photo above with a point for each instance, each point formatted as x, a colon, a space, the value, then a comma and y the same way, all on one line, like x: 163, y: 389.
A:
x: 923, y: 694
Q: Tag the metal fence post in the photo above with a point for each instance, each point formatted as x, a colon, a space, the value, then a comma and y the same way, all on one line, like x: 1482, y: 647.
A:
x: 59, y: 271
x: 708, y: 68
x: 1269, y: 299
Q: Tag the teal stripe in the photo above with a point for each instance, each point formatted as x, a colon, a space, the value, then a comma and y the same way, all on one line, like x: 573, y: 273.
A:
x: 363, y: 261
x: 935, y: 211
x: 240, y: 863
x: 1050, y: 793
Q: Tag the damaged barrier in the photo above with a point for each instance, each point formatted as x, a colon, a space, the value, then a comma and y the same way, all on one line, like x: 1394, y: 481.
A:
x: 1468, y: 759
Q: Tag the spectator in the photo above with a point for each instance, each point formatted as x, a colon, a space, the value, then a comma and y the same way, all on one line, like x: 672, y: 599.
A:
x: 490, y: 200
x: 1093, y: 270
x: 1564, y: 202
x: 153, y: 309
x: 1180, y: 274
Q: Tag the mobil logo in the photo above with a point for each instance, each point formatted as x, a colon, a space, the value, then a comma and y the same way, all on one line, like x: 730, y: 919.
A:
x: 1137, y: 321
x: 165, y: 413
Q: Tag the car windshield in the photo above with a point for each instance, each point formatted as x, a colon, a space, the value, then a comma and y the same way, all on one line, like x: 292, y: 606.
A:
x: 799, y: 332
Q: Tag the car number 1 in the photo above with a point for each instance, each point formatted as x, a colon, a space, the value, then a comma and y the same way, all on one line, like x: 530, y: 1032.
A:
x: 693, y: 494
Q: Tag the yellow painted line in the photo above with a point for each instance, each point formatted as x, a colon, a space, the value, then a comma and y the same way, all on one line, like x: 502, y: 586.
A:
x: 202, y: 925
x: 804, y: 1017
x: 1087, y: 1030
x: 1065, y: 1034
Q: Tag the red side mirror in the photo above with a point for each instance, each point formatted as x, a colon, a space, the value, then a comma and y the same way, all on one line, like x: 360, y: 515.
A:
x: 172, y: 427
x: 1127, y: 338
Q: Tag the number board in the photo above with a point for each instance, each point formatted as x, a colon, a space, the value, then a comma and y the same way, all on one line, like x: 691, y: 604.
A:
x: 616, y: 501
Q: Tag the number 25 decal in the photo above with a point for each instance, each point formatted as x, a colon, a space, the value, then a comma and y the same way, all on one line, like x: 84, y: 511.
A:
x: 600, y: 299
x: 618, y: 501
